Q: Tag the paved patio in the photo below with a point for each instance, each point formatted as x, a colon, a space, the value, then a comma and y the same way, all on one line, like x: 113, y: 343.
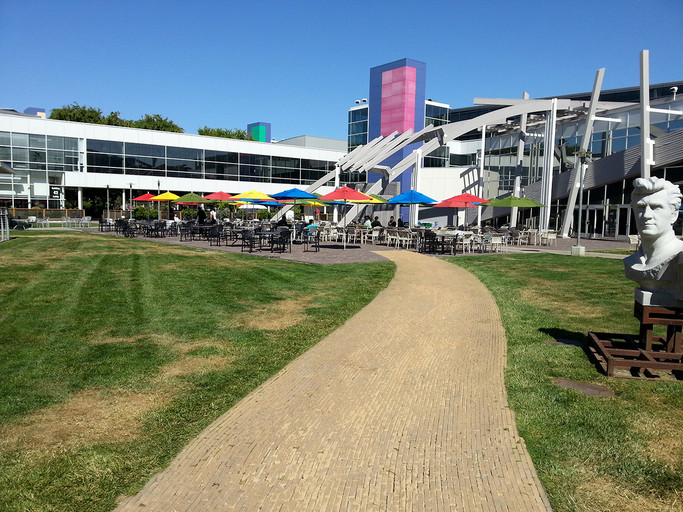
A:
x: 402, y: 408
x: 332, y: 253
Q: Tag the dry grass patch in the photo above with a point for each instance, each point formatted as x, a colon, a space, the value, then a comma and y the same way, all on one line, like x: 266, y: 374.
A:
x: 598, y: 493
x: 665, y: 441
x: 87, y: 418
x: 557, y: 299
x: 281, y: 314
x: 189, y: 365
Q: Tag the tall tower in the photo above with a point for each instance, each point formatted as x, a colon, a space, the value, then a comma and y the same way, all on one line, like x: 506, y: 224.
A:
x: 397, y: 103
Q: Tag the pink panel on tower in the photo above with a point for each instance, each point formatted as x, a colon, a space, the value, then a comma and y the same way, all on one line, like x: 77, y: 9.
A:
x: 398, y: 100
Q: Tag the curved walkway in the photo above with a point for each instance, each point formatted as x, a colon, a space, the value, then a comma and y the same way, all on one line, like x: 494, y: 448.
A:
x: 403, y: 408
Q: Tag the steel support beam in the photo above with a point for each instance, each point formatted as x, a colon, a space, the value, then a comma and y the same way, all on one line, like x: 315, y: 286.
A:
x: 585, y: 141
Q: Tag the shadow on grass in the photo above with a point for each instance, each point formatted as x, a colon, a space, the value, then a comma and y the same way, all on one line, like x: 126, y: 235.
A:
x: 564, y: 337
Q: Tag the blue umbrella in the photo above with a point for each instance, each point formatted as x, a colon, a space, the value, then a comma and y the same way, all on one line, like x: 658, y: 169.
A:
x: 411, y: 197
x: 293, y: 193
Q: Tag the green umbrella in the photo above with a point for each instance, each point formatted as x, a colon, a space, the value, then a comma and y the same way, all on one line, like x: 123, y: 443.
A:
x: 514, y: 201
x: 193, y: 198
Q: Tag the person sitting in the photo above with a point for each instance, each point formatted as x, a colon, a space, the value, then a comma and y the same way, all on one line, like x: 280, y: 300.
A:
x: 282, y: 221
x: 376, y: 223
x: 201, y: 216
x: 400, y: 223
x: 392, y: 222
x: 368, y: 223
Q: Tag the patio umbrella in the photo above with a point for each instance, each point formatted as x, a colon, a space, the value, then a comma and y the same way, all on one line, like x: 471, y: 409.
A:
x: 144, y: 197
x: 252, y: 196
x: 514, y: 201
x: 219, y: 196
x: 377, y: 199
x: 346, y: 195
x: 296, y: 195
x: 461, y: 201
x: 192, y: 198
x: 411, y: 197
x: 166, y: 196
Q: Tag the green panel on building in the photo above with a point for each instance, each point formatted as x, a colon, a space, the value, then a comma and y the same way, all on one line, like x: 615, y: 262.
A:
x: 259, y: 133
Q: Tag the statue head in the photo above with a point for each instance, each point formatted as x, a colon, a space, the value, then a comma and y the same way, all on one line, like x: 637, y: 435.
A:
x: 655, y: 203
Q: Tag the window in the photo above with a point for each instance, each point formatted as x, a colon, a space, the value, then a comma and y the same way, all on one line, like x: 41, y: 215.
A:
x: 105, y: 146
x: 145, y: 150
x: 184, y: 153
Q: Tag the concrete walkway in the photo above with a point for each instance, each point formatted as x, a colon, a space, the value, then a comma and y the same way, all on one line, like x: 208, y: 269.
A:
x: 403, y: 408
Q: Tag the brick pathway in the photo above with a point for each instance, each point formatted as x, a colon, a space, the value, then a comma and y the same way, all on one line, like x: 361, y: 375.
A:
x: 403, y: 408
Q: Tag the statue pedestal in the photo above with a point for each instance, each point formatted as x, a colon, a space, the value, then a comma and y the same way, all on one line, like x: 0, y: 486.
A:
x: 646, y: 353
x: 649, y: 316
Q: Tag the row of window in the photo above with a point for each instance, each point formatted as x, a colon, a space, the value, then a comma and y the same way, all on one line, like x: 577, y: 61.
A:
x: 39, y: 152
x: 220, y: 172
x: 25, y: 140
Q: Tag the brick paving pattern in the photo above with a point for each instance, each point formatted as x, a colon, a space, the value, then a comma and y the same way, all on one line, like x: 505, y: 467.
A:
x: 403, y: 408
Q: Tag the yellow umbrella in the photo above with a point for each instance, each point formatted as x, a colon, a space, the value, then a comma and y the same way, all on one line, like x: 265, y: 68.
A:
x: 252, y: 196
x: 166, y: 196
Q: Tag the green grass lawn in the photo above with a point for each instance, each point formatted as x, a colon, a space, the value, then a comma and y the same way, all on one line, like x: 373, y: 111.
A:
x: 623, y: 453
x: 115, y: 352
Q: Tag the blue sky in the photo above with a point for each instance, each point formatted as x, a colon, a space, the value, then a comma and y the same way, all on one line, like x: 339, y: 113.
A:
x: 300, y: 65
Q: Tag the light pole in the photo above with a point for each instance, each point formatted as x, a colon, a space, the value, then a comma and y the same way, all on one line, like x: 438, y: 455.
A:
x: 130, y: 201
x: 107, y: 203
x: 159, y: 202
x: 579, y: 250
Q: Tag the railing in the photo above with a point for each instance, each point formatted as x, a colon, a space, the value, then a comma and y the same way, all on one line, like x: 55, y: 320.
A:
x: 47, y: 213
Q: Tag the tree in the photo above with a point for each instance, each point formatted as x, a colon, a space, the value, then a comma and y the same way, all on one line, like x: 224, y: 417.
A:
x: 156, y: 122
x: 83, y: 114
x: 79, y: 114
x: 225, y: 133
x: 114, y: 119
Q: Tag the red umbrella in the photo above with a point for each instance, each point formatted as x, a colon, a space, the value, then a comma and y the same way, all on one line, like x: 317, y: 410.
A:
x: 219, y: 196
x: 144, y: 197
x: 460, y: 201
x: 346, y: 194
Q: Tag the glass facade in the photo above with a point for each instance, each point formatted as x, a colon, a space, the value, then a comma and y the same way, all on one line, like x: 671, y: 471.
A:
x: 607, y: 139
x: 436, y: 114
x: 358, y: 127
x: 23, y: 151
x: 178, y: 162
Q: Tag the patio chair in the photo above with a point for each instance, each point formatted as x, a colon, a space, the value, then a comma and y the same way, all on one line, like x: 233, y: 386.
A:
x: 498, y: 243
x: 129, y: 229
x: 311, y: 236
x: 464, y: 241
x: 392, y: 237
x: 249, y: 240
x: 549, y: 238
x: 377, y: 235
x: 281, y: 241
x: 428, y: 242
x: 215, y: 234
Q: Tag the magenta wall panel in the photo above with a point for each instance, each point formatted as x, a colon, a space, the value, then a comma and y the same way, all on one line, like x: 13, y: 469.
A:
x: 398, y: 100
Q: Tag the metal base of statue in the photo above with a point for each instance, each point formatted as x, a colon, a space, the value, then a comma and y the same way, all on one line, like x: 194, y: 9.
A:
x: 645, y: 355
